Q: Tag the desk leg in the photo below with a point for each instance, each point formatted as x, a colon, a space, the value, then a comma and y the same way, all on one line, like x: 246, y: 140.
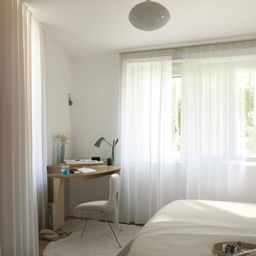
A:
x: 58, y: 201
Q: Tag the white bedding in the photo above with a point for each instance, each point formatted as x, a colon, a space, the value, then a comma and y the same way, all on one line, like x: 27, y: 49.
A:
x: 191, y: 227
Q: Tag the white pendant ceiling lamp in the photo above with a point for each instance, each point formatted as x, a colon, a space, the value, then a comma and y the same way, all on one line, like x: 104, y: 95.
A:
x: 149, y: 16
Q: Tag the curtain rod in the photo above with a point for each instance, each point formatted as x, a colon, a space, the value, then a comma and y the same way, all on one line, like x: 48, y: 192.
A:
x: 189, y: 46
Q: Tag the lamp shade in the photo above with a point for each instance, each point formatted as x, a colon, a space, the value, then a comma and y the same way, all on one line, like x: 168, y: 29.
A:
x: 99, y: 141
x: 149, y: 16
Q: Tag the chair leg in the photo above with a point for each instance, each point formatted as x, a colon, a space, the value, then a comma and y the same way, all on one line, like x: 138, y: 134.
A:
x: 85, y: 224
x: 114, y: 234
x: 116, y: 219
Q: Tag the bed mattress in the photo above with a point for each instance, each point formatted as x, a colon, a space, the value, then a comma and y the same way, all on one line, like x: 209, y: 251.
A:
x: 191, y: 227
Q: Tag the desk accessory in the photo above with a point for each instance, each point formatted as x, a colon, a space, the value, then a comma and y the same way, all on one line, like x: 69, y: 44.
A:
x: 234, y: 249
x: 72, y: 171
x: 109, y: 161
x: 63, y: 140
x: 96, y: 158
x: 65, y: 169
x: 113, y: 145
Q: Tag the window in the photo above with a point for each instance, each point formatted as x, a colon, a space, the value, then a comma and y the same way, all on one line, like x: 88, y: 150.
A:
x: 246, y: 80
x: 176, y: 113
x: 176, y: 106
x: 246, y: 96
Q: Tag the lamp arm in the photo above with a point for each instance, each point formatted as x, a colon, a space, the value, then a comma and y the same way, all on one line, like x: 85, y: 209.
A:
x: 108, y: 143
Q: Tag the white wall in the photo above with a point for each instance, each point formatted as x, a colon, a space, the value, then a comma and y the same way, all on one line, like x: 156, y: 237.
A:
x: 58, y: 81
x: 95, y: 110
x: 94, y: 114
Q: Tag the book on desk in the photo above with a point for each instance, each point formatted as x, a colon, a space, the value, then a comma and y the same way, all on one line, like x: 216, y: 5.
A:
x: 83, y: 161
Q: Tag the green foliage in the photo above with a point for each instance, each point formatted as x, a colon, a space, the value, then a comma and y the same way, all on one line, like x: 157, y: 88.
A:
x: 247, y: 88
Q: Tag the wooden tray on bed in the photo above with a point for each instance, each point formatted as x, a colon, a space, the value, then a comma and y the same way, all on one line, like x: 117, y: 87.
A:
x: 247, y: 249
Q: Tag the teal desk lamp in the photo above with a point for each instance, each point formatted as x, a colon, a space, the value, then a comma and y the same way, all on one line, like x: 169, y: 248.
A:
x: 99, y: 142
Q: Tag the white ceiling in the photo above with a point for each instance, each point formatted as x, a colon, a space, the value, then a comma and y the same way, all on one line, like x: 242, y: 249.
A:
x: 87, y: 27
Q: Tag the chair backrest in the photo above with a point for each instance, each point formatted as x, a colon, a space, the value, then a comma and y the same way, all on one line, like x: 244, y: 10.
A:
x: 113, y: 192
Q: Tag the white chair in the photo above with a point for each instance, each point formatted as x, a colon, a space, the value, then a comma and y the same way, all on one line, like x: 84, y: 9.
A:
x: 111, y: 205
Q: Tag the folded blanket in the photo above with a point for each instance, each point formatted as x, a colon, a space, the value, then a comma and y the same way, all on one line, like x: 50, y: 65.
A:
x: 50, y: 235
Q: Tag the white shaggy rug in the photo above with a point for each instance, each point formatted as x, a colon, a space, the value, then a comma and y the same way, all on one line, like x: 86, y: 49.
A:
x: 98, y: 240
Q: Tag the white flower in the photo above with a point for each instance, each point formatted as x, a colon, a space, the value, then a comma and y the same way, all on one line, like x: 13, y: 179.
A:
x: 63, y: 139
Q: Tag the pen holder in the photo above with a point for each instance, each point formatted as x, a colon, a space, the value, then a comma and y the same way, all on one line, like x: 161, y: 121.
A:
x: 109, y: 161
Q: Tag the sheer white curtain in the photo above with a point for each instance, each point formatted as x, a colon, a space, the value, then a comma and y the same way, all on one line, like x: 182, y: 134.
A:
x: 18, y: 176
x: 212, y: 159
x: 39, y: 154
x: 148, y: 166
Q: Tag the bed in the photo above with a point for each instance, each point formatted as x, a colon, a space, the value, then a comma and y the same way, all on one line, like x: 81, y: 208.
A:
x: 191, y: 227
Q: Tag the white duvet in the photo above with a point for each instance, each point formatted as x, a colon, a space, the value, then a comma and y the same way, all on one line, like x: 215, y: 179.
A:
x: 191, y: 227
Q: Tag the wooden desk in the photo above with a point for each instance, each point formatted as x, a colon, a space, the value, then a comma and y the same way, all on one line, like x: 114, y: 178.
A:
x: 56, y: 182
